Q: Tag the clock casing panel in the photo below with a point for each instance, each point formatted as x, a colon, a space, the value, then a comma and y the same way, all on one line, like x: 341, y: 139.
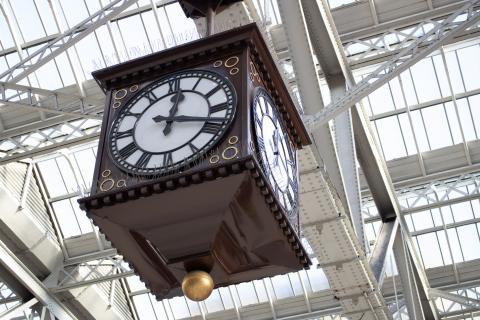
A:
x: 218, y: 213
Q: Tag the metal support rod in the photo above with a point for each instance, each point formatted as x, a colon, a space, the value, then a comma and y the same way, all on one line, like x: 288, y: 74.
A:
x: 31, y: 282
x: 64, y: 41
x: 18, y: 308
x: 210, y: 18
x: 463, y: 300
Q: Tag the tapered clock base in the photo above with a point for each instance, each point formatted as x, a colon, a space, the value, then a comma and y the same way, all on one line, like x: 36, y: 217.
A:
x: 224, y: 227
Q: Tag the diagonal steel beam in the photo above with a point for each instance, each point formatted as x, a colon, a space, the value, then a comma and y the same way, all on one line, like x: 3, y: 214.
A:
x: 14, y: 266
x: 65, y: 40
x: 460, y: 20
x: 464, y: 301
x: 369, y: 157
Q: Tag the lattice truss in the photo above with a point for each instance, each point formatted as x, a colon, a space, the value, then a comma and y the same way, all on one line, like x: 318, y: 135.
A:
x: 435, y: 194
x: 58, y: 45
x: 74, y: 275
x: 461, y: 301
x: 414, y: 51
x: 395, y: 40
x: 86, y: 125
x: 409, y: 45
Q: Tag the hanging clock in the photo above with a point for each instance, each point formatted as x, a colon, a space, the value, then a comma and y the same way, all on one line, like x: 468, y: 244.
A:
x: 196, y: 173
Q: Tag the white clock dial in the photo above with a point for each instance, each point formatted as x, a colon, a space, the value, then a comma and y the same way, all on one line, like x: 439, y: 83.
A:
x: 172, y: 122
x: 276, y: 153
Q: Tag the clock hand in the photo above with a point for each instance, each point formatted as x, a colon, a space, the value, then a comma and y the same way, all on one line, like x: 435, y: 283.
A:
x: 173, y: 110
x: 170, y: 119
x: 275, y: 147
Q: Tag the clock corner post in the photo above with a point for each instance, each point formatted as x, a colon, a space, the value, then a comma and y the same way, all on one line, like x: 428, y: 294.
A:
x: 101, y: 142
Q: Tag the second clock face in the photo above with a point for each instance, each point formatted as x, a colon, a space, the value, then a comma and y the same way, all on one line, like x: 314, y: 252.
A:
x: 275, y: 151
x: 172, y: 122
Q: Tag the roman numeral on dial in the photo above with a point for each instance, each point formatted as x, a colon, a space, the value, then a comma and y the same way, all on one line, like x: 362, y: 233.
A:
x: 261, y: 143
x: 212, y: 92
x: 173, y: 85
x: 193, y: 147
x: 124, y: 134
x: 142, y: 162
x: 211, y: 127
x: 131, y: 114
x: 258, y: 122
x: 218, y: 107
x: 128, y: 150
x: 167, y: 159
x: 151, y: 97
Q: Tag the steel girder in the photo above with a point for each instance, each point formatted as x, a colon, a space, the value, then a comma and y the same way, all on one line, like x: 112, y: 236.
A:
x: 463, y: 18
x: 65, y: 40
x: 465, y: 301
x: 38, y: 142
x: 323, y: 147
x: 319, y: 225
x: 369, y: 157
x: 10, y: 262
x: 92, y: 269
x: 36, y: 99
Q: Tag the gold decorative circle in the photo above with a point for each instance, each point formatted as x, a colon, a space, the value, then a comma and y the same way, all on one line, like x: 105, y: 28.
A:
x: 217, y: 63
x: 234, y: 71
x: 214, y: 159
x: 231, y: 62
x: 107, y: 184
x: 224, y: 153
x: 121, y: 183
x: 106, y: 173
x: 116, y: 104
x: 232, y: 140
x: 123, y: 94
x: 134, y: 88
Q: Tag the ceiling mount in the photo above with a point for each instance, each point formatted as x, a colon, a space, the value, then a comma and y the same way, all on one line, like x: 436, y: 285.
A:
x: 200, y: 8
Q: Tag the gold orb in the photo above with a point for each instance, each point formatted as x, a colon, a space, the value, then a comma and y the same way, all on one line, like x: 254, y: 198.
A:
x: 197, y: 285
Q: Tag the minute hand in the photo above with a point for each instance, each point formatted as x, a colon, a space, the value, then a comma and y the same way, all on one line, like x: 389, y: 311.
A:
x: 160, y: 118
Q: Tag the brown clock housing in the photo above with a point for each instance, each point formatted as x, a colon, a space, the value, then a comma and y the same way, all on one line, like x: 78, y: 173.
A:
x: 218, y: 214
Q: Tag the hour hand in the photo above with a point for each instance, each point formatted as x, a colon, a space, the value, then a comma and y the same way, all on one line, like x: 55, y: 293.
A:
x: 176, y: 99
x: 170, y: 119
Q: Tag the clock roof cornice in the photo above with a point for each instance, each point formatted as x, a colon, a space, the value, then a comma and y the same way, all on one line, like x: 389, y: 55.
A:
x: 158, y: 64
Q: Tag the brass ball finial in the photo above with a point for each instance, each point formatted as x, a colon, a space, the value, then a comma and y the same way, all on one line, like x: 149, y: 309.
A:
x: 197, y: 285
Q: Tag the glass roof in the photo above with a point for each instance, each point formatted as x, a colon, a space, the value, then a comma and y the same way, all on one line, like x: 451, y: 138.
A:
x: 433, y: 105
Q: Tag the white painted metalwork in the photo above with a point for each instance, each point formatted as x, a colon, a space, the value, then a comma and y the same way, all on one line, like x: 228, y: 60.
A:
x: 64, y: 41
x: 47, y: 140
x: 87, y: 272
x: 36, y: 99
x: 31, y: 282
x: 414, y: 52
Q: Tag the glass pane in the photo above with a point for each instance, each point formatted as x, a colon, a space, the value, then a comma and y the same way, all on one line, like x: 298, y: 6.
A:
x: 437, y: 127
x: 430, y: 250
x: 52, y: 178
x: 469, y: 241
x: 425, y: 80
x: 391, y: 138
x: 28, y: 19
x: 470, y: 66
x: 66, y: 218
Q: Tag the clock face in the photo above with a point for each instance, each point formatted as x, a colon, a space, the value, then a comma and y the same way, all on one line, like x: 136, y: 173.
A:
x: 275, y: 151
x: 172, y: 121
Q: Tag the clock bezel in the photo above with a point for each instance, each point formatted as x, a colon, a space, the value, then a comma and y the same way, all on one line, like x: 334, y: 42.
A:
x: 130, y: 169
x: 258, y: 92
